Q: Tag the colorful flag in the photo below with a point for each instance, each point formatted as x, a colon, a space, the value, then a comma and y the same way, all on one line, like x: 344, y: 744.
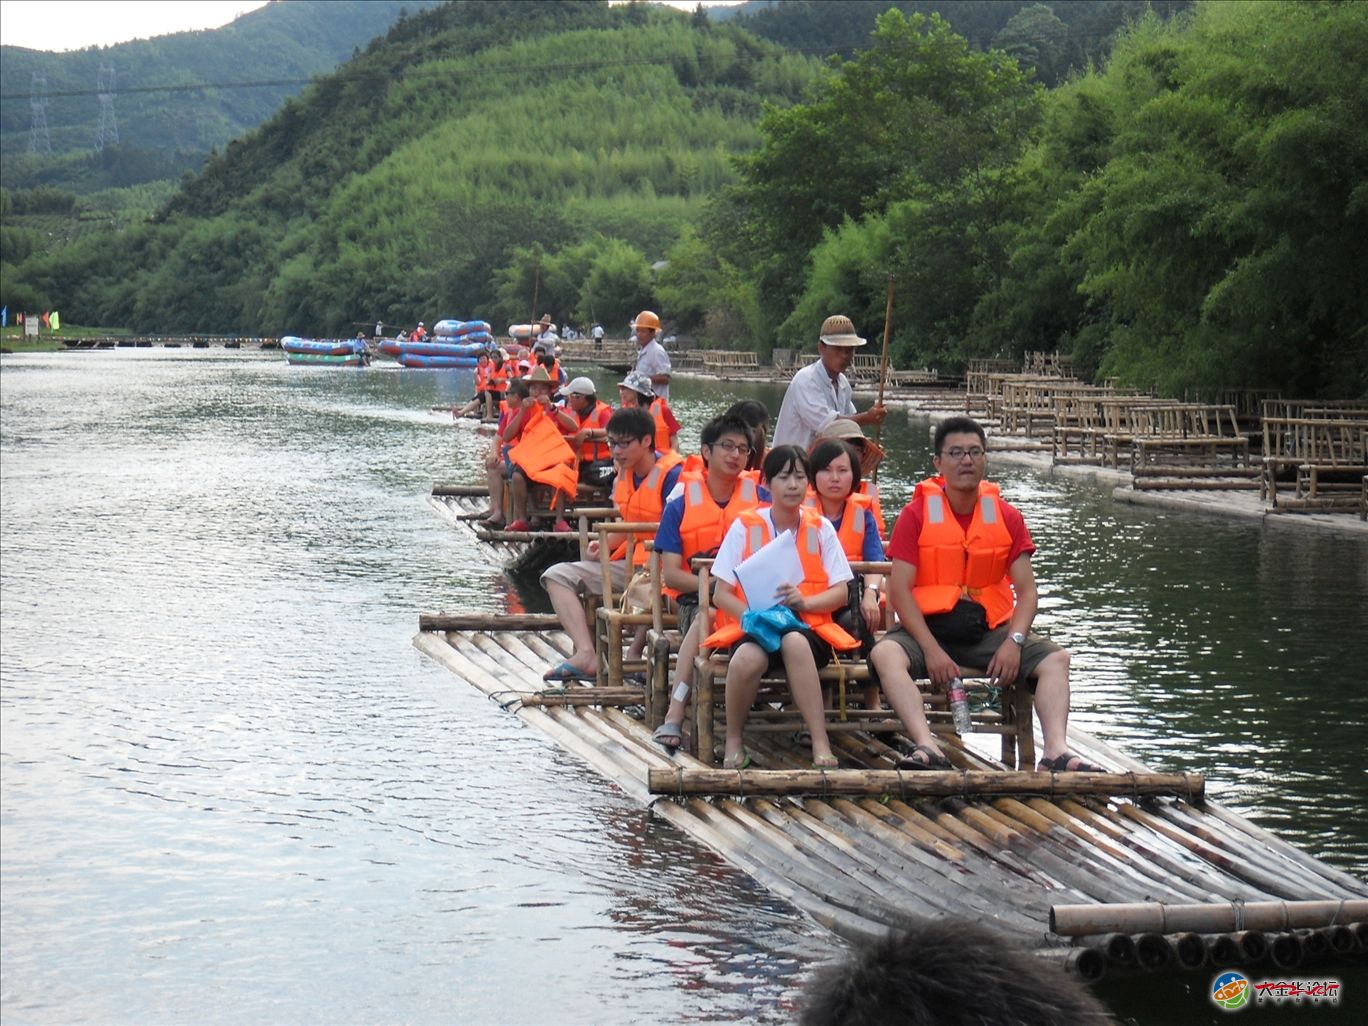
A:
x: 4, y: 318
x: 56, y: 321
x: 19, y: 317
x: 43, y: 320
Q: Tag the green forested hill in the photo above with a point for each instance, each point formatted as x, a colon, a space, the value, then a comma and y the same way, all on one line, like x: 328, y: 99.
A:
x: 177, y: 96
x: 426, y: 177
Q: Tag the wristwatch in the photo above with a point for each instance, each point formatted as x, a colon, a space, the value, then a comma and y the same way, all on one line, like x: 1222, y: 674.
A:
x: 1018, y: 637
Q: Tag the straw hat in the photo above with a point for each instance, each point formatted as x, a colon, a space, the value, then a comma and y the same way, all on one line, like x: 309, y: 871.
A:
x: 538, y: 374
x: 837, y: 330
x: 545, y: 319
x: 844, y: 429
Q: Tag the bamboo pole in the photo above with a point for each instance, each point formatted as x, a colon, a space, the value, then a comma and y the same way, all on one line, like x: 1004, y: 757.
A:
x: 488, y: 622
x: 1216, y: 917
x: 883, y: 362
x: 459, y: 490
x: 920, y: 783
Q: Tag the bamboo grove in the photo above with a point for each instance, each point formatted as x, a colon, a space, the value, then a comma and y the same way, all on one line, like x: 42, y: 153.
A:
x: 1189, y: 212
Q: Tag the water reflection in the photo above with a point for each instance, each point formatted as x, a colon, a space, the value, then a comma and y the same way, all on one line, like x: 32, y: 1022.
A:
x: 232, y: 791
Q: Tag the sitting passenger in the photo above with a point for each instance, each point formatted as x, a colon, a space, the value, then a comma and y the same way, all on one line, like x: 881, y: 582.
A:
x: 836, y: 495
x: 533, y: 466
x: 694, y: 524
x: 959, y: 553
x: 635, y: 390
x: 644, y: 478
x: 583, y: 419
x: 756, y: 417
x: 497, y: 466
x: 807, y: 641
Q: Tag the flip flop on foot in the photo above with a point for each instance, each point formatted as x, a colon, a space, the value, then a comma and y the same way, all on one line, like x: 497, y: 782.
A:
x: 1060, y: 764
x: 738, y: 760
x: 668, y: 736
x: 567, y: 671
x: 825, y: 762
x: 923, y: 757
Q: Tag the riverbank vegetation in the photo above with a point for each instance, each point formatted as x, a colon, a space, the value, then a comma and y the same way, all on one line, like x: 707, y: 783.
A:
x: 1188, y: 212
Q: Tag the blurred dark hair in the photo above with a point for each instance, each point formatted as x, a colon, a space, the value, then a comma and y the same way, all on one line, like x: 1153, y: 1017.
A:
x: 946, y: 973
x: 757, y: 417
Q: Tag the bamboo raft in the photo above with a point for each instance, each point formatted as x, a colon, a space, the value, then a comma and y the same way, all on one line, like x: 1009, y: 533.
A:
x: 1132, y: 870
x: 462, y: 506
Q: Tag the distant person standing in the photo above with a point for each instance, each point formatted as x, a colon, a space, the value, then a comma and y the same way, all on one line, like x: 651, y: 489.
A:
x: 379, y: 329
x: 419, y: 333
x: 820, y: 392
x: 547, y: 339
x: 652, y: 360
x: 597, y: 333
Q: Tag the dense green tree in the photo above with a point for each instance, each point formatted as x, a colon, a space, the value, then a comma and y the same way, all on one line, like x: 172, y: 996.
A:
x: 918, y: 115
x: 1200, y: 216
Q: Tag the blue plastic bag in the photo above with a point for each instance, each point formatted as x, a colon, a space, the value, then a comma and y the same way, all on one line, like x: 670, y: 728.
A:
x: 767, y: 627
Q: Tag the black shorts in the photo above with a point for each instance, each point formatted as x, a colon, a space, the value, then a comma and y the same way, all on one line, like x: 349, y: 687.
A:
x: 821, y: 651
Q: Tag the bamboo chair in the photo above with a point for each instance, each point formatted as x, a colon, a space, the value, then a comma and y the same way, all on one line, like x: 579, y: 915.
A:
x: 611, y: 620
x: 1013, y: 719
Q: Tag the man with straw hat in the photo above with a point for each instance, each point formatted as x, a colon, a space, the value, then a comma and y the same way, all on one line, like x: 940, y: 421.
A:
x: 820, y: 392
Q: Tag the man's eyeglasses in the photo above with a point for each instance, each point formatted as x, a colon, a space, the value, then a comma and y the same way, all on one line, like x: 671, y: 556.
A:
x: 620, y: 443
x: 958, y: 454
x: 737, y: 447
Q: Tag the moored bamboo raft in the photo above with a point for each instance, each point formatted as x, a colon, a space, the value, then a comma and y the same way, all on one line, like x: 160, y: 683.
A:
x: 864, y: 849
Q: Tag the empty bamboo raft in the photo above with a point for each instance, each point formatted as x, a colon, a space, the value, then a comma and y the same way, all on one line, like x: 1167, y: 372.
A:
x: 1095, y: 873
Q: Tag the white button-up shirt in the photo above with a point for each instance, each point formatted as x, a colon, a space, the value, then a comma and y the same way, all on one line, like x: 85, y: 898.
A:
x: 652, y: 360
x: 811, y: 403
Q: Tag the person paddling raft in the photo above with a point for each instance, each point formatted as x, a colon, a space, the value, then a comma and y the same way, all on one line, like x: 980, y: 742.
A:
x: 965, y: 594
x: 820, y: 392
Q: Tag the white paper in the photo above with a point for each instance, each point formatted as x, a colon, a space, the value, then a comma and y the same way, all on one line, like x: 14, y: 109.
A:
x: 764, y: 573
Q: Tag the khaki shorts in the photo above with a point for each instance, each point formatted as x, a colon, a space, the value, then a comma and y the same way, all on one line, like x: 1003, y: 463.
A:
x: 588, y: 572
x: 975, y: 656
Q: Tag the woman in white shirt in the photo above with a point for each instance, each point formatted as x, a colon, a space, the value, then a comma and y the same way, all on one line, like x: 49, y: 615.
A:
x: 805, y: 646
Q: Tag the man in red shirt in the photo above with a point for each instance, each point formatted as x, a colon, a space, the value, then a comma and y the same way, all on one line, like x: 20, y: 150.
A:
x: 965, y: 595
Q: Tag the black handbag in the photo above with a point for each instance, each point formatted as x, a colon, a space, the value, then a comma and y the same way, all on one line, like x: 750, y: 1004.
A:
x: 966, y: 624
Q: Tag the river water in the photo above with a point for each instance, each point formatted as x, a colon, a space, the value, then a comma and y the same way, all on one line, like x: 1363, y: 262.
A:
x: 234, y: 793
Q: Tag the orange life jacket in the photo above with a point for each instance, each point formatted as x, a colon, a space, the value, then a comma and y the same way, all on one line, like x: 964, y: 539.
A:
x: 704, y: 522
x: 662, y: 438
x: 852, y: 529
x: 482, y: 376
x: 871, y: 489
x: 498, y: 378
x: 543, y: 454
x: 809, y: 542
x: 590, y: 451
x: 643, y: 503
x: 954, y: 564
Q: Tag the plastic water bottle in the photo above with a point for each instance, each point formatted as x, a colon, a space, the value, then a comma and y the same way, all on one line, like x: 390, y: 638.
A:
x: 959, y: 706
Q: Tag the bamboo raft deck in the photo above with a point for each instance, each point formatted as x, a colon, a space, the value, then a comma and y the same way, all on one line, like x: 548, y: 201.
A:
x: 1132, y: 870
